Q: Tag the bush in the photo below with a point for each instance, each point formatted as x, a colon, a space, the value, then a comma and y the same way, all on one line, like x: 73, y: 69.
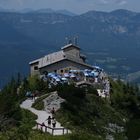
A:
x: 72, y: 94
x: 133, y: 129
x: 39, y: 104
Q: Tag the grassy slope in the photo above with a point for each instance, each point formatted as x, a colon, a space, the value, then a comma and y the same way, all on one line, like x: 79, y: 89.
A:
x: 39, y: 104
x: 23, y: 130
x: 89, y: 115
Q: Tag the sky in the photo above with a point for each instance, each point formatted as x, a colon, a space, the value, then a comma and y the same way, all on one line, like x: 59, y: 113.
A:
x: 76, y: 6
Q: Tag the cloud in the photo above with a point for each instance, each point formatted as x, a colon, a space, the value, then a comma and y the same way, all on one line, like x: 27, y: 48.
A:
x: 20, y: 2
x: 104, y: 1
x: 118, y: 2
x: 121, y: 2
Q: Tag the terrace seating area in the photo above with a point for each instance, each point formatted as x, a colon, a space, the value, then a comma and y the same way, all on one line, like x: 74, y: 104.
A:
x: 96, y: 78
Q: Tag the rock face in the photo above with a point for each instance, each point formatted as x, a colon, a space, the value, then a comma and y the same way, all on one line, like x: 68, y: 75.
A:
x: 53, y: 101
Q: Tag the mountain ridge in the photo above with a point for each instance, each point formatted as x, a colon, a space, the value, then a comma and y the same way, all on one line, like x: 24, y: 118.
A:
x: 44, y: 10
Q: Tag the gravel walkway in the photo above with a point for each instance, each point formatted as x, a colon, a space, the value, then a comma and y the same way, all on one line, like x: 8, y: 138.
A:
x: 43, y: 115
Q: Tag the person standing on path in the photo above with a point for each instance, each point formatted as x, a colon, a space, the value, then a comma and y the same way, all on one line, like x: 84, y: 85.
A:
x: 42, y: 125
x: 49, y: 120
x: 53, y: 112
x: 53, y: 122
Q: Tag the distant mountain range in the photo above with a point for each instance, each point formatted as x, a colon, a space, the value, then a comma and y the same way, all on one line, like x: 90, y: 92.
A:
x: 47, y: 10
x: 109, y: 39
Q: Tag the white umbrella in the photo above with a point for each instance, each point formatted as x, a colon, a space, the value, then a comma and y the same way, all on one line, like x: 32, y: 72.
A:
x: 64, y: 79
x: 50, y: 75
x: 95, y: 73
x: 57, y: 80
x: 86, y: 74
x: 87, y: 70
x: 66, y: 75
x: 72, y: 76
x: 73, y: 70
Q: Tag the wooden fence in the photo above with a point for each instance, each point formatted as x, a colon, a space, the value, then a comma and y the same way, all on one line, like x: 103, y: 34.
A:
x: 40, y: 127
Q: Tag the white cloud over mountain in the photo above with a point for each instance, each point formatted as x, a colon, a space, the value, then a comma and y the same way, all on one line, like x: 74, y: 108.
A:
x: 120, y: 2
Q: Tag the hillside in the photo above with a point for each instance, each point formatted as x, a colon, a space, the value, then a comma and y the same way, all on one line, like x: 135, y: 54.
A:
x: 109, y: 39
x: 87, y: 115
x: 134, y: 76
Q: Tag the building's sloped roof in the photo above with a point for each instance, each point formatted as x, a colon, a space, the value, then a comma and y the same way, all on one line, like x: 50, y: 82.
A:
x: 51, y: 58
x: 35, y: 61
x: 57, y: 57
x: 69, y: 45
x: 70, y: 59
x: 79, y: 61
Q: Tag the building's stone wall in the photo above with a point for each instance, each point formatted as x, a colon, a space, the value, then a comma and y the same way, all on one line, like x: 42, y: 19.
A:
x: 34, y: 69
x: 63, y: 66
x: 73, y: 52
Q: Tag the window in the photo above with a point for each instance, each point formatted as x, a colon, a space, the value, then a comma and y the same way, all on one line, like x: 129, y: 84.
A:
x: 61, y: 71
x: 55, y: 71
x: 35, y: 67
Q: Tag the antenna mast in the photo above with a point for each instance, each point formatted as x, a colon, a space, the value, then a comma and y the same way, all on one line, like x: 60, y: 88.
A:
x: 66, y: 38
x: 76, y: 40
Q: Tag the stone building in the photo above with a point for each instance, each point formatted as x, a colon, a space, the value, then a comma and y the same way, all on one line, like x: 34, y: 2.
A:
x: 68, y: 58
